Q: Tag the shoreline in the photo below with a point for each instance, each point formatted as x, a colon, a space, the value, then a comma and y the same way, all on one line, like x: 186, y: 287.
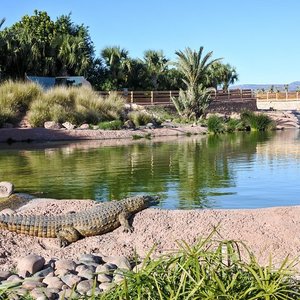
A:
x: 265, y: 231
x: 11, y: 135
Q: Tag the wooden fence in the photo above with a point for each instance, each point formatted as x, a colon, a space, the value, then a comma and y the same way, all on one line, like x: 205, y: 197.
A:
x: 165, y: 97
x: 280, y: 96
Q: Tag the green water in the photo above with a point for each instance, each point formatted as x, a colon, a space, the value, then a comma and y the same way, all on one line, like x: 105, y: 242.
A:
x: 227, y: 171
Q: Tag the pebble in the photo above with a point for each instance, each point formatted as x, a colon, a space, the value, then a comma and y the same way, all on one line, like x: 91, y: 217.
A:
x: 6, y: 189
x: 89, y: 275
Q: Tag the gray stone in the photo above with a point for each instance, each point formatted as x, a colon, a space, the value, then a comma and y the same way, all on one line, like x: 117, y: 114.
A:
x: 31, y: 263
x: 84, y: 126
x: 44, y: 272
x: 90, y: 258
x: 104, y: 278
x: 84, y: 286
x: 87, y: 274
x: 65, y: 264
x: 52, y: 125
x: 150, y: 125
x: 94, y: 292
x: 84, y: 268
x: 14, y: 278
x: 118, y: 278
x: 62, y: 272
x: 4, y: 275
x: 6, y: 189
x: 106, y: 286
x: 120, y: 261
x: 43, y: 293
x: 68, y: 125
x: 68, y: 294
x: 53, y: 282
x: 30, y: 284
x: 106, y: 269
x: 71, y: 279
x: 129, y: 124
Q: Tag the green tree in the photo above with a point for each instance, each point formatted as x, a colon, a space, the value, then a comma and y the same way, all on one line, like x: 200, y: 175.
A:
x: 194, y: 67
x: 118, y: 65
x: 156, y: 64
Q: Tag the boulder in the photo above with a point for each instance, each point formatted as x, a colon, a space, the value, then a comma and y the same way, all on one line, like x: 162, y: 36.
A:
x: 129, y: 124
x: 68, y: 125
x: 30, y: 264
x: 52, y: 125
x: 6, y: 189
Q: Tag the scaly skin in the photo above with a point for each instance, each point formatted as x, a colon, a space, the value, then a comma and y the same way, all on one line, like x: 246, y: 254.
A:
x: 71, y: 227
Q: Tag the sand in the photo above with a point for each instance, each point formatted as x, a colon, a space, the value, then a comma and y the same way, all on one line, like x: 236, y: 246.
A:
x: 270, y: 231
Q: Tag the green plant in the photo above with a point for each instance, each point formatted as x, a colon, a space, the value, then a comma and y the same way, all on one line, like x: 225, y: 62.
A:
x: 139, y: 118
x: 233, y: 125
x: 210, y: 269
x: 111, y: 125
x: 215, y: 124
x: 257, y: 122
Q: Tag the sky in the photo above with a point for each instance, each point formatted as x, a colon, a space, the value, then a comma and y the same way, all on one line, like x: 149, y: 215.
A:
x: 260, y: 38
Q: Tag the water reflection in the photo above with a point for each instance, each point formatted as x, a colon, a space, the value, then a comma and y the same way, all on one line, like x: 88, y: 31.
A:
x: 191, y: 172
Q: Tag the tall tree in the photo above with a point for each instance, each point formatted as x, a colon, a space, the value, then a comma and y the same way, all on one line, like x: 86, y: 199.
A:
x: 156, y: 64
x: 194, y: 66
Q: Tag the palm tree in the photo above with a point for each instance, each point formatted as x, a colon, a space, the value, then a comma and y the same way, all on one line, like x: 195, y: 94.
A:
x: 156, y: 64
x: 194, y: 68
x: 118, y: 64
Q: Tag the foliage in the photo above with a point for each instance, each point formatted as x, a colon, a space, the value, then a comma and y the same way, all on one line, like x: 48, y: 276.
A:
x: 15, y: 97
x: 140, y: 118
x: 257, y: 122
x: 76, y: 105
x: 234, y: 125
x: 192, y: 102
x: 111, y: 125
x: 39, y: 46
x: 208, y: 270
x: 215, y: 124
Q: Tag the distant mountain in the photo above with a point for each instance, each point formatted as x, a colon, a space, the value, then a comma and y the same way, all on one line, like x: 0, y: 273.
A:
x: 293, y: 86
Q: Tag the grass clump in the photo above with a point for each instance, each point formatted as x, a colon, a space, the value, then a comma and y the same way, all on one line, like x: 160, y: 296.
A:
x: 257, y: 122
x: 75, y: 105
x: 111, y: 125
x: 15, y: 98
x: 140, y: 118
x: 209, y: 270
x: 215, y: 124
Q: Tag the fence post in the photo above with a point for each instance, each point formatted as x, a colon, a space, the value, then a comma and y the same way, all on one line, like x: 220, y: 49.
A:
x: 170, y: 96
x: 241, y: 94
x: 131, y: 97
x: 151, y: 97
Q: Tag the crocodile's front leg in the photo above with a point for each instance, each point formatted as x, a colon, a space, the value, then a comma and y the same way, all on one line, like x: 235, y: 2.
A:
x: 123, y: 219
x: 67, y: 236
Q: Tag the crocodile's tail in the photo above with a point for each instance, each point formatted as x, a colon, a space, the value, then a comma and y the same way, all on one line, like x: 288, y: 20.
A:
x: 31, y: 225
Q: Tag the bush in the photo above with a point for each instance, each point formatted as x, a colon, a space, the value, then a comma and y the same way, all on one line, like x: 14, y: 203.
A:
x: 15, y: 97
x: 215, y: 124
x: 111, y: 125
x: 209, y: 270
x: 140, y: 118
x: 233, y: 125
x: 75, y: 105
x: 257, y: 122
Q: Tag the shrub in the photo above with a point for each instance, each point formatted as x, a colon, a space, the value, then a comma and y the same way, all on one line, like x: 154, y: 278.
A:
x: 233, y: 125
x: 209, y: 270
x: 140, y: 118
x: 257, y: 122
x: 215, y: 124
x: 111, y: 125
x: 15, y: 97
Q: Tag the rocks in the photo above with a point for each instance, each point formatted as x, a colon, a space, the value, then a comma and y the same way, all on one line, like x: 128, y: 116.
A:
x: 30, y: 264
x: 84, y: 126
x: 6, y: 189
x: 68, y: 125
x: 52, y: 125
x: 89, y: 275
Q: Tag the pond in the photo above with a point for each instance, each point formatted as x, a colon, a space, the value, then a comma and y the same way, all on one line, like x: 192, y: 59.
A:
x: 245, y: 170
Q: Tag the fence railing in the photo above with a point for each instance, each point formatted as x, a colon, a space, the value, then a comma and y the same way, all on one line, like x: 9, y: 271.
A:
x: 165, y: 97
x: 280, y: 96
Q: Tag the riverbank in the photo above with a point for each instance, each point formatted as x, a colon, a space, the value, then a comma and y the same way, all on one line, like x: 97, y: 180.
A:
x: 265, y: 231
x: 45, y: 135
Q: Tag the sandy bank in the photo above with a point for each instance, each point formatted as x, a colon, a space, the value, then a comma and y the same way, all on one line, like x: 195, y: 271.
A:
x: 266, y: 231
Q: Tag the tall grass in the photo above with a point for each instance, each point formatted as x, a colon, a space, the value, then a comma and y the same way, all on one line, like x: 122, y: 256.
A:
x: 75, y: 105
x: 215, y: 124
x: 257, y: 122
x: 209, y: 270
x: 15, y: 98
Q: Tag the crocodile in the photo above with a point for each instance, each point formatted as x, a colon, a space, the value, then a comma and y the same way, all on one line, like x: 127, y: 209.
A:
x: 70, y: 227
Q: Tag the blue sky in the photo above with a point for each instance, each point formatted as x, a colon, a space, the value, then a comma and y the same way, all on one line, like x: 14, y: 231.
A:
x: 261, y: 38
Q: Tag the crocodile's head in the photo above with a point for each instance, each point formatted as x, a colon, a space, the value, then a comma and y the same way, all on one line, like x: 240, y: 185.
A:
x: 135, y: 204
